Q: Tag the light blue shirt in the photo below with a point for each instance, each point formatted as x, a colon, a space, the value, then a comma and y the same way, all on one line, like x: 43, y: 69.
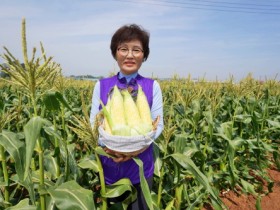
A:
x: 156, y: 109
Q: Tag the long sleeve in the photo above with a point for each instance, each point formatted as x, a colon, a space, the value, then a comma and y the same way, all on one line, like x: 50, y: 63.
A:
x: 157, y: 107
x: 95, y: 102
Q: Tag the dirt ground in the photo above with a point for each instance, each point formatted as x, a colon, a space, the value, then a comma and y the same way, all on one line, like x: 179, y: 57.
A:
x: 247, y: 202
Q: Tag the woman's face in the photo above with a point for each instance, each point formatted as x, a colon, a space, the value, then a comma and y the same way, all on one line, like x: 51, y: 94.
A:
x: 129, y: 56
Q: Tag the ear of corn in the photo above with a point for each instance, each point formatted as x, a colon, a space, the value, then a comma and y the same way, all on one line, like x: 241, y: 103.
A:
x: 124, y: 116
x: 115, y: 114
x: 132, y: 116
x: 117, y: 108
x: 144, y: 110
x: 131, y: 111
x: 119, y: 126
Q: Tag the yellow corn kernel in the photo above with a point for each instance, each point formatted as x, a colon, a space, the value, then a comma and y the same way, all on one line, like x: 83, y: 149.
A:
x: 119, y: 126
x: 117, y: 107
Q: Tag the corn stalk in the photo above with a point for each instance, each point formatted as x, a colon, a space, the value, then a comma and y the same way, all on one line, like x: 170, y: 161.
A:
x: 5, y: 118
x: 31, y: 76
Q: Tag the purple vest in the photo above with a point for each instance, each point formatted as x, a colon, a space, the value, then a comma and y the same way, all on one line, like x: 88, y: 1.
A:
x: 128, y: 169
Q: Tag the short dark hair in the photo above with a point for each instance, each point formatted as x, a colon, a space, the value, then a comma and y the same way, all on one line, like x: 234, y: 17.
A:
x: 128, y: 33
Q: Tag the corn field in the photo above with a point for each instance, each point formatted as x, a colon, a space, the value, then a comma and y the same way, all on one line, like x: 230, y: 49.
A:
x: 217, y: 137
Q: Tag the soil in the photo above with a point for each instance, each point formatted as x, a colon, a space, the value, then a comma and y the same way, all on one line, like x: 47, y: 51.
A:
x: 269, y: 201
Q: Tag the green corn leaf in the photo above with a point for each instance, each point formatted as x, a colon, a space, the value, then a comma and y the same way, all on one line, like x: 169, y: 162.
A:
x: 180, y: 143
x: 198, y: 200
x: 52, y: 100
x: 178, y: 195
x: 27, y: 184
x: 170, y: 205
x: 51, y: 164
x: 50, y: 205
x: 22, y: 205
x: 89, y: 163
x: 62, y: 100
x: 248, y: 187
x: 100, y: 151
x: 274, y: 124
x: 70, y: 196
x: 158, y: 162
x: 35, y: 176
x: 16, y: 149
x: 75, y: 170
x: 118, y: 188
x: 107, y: 114
x: 1, y: 195
x: 188, y: 164
x: 32, y: 132
x: 246, y: 119
x: 144, y: 184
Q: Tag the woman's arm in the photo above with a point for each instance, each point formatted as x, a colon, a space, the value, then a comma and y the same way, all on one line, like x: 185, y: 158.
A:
x: 95, y: 102
x: 157, y: 108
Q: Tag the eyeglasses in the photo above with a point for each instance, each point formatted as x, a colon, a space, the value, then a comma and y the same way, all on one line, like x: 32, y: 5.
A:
x: 136, y: 52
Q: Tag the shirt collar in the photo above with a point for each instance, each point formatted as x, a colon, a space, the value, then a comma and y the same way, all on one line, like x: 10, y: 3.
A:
x: 127, y: 77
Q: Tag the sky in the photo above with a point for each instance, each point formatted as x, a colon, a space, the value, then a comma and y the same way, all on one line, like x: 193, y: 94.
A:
x: 214, y: 39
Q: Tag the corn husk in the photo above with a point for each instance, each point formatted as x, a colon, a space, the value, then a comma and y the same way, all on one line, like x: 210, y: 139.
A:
x: 114, y: 114
x: 107, y: 127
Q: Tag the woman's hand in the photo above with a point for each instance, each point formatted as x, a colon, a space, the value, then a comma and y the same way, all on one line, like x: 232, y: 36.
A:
x: 122, y: 157
x: 118, y: 156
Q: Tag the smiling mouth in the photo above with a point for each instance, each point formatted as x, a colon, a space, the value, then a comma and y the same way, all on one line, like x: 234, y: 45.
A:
x: 129, y: 63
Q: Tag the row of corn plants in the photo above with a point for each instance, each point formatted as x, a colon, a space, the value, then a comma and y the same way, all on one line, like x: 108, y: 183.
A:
x: 229, y: 131
x: 217, y: 137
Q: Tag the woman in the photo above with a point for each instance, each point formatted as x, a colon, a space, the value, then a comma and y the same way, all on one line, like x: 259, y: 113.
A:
x: 130, y: 48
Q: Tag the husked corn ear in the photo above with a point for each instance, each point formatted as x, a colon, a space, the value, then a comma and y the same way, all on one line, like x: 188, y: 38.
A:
x: 118, y: 126
x: 131, y: 111
x: 143, y: 106
x: 117, y: 108
x: 144, y: 109
x: 132, y: 116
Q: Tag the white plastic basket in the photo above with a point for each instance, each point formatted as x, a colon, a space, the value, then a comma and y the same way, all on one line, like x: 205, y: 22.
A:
x: 125, y: 144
